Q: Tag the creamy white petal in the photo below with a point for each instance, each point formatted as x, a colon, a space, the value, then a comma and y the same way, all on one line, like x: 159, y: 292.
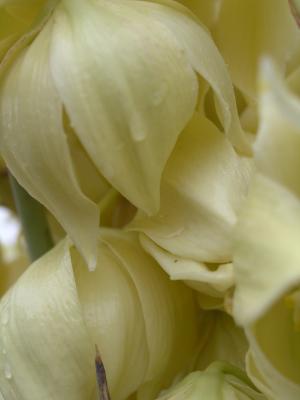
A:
x: 250, y: 29
x: 145, y: 326
x: 224, y: 341
x: 278, y: 141
x: 214, y: 281
x: 46, y: 350
x: 35, y: 146
x: 128, y: 92
x: 206, y: 11
x: 202, y: 188
x: 114, y: 318
x: 220, y: 381
x: 206, y: 59
x: 275, y: 353
x: 266, y: 254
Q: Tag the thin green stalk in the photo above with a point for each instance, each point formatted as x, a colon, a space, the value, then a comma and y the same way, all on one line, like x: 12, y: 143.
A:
x: 34, y: 222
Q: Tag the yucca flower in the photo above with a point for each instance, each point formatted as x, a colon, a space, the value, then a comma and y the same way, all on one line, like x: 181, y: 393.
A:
x: 203, y: 185
x: 145, y: 326
x: 266, y: 254
x: 220, y: 381
x: 122, y: 77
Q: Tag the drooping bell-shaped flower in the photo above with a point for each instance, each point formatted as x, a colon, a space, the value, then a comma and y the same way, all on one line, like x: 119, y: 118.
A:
x: 145, y: 326
x: 122, y: 77
x: 266, y: 250
x: 220, y: 381
x: 203, y: 185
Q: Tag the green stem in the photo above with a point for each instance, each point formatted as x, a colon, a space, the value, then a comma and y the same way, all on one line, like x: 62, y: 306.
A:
x: 34, y: 222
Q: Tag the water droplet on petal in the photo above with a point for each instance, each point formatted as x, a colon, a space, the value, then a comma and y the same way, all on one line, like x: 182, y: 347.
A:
x: 7, y: 371
x: 160, y: 95
x: 137, y: 130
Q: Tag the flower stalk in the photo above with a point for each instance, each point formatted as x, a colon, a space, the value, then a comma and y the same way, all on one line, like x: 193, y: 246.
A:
x: 34, y: 223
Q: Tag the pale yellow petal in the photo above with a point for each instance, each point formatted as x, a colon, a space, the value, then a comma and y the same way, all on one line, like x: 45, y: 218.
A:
x: 213, y: 281
x: 35, y: 146
x: 206, y: 11
x: 206, y: 59
x: 20, y: 21
x: 145, y: 326
x: 266, y: 255
x: 114, y: 318
x: 275, y: 353
x: 203, y: 185
x: 224, y: 341
x: 46, y: 351
x: 278, y: 142
x: 250, y: 29
x: 128, y: 92
x: 172, y: 306
x: 220, y: 381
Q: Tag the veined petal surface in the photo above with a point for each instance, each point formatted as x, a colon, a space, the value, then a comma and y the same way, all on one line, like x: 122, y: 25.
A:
x: 146, y: 327
x: 268, y: 230
x: 35, y: 147
x: 266, y: 254
x: 46, y: 349
x: 220, y: 381
x: 203, y: 185
x: 207, y: 61
x: 128, y: 92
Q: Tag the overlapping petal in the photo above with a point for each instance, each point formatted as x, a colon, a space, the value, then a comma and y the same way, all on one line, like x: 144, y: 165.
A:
x: 266, y: 255
x: 249, y: 30
x: 35, y: 145
x: 268, y: 230
x: 145, y: 326
x: 225, y: 341
x: 207, y: 61
x: 206, y: 11
x: 275, y: 352
x: 202, y: 188
x: 219, y: 381
x: 99, y: 57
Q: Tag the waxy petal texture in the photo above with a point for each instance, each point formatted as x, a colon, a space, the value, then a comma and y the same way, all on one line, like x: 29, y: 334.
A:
x: 251, y: 29
x: 204, y: 183
x: 35, y: 145
x: 266, y: 254
x: 145, y: 326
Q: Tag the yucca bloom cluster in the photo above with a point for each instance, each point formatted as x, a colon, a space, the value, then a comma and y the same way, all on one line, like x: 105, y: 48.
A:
x: 161, y: 137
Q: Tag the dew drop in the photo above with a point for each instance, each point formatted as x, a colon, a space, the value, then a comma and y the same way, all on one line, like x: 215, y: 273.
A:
x: 160, y: 95
x: 7, y: 371
x: 137, y: 130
